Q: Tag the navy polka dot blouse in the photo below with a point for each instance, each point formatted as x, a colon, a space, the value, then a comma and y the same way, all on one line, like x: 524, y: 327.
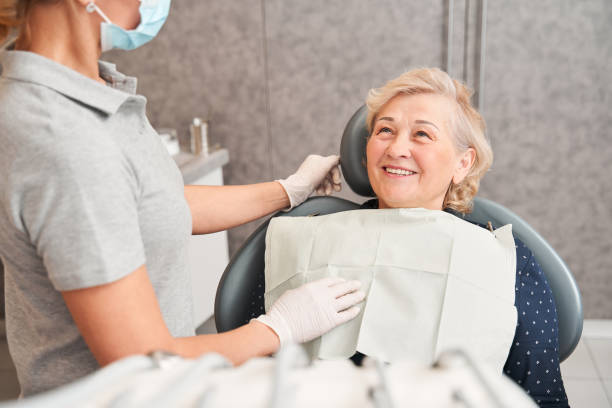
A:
x: 533, y: 361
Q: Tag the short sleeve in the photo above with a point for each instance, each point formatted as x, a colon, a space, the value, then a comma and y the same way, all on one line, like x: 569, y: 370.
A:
x: 78, y: 205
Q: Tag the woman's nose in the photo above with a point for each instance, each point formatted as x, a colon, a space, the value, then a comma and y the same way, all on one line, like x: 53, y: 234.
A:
x: 400, y: 147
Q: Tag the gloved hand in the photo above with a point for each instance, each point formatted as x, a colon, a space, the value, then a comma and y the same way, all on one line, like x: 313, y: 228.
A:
x: 313, y: 309
x: 316, y: 172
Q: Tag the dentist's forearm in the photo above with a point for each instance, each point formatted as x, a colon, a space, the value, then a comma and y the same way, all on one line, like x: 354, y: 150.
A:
x: 238, y: 345
x: 217, y: 208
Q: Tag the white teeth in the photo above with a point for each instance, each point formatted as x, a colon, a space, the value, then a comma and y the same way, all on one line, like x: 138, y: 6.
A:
x: 399, y: 171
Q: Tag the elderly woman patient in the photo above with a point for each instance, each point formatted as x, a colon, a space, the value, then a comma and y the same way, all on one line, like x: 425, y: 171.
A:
x: 427, y: 149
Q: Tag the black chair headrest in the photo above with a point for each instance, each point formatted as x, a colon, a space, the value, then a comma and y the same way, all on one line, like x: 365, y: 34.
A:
x: 352, y: 153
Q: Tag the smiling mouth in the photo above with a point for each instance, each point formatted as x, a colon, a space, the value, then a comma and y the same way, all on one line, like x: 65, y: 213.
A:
x: 398, y: 172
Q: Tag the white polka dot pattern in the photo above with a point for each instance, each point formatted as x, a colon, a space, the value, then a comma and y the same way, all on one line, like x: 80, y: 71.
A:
x: 533, y: 361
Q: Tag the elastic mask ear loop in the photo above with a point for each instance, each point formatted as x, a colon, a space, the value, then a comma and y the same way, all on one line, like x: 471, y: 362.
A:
x: 91, y: 7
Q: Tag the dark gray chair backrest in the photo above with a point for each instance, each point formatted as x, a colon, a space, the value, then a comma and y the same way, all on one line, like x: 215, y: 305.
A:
x: 241, y: 289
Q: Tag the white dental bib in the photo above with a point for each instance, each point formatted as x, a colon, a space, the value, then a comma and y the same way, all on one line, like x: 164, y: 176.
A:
x: 433, y: 281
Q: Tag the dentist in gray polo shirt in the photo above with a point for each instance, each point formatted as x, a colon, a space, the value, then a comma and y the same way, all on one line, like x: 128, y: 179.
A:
x: 94, y: 217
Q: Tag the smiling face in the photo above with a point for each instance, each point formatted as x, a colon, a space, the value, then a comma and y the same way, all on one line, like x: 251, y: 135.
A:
x: 411, y: 154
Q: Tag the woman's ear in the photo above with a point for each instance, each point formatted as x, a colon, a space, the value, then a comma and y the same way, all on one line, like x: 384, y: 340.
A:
x: 465, y: 163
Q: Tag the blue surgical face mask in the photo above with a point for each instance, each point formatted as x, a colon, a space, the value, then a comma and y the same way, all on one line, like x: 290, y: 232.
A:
x: 153, y: 14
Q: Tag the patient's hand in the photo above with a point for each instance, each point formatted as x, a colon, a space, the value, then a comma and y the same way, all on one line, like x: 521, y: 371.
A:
x: 313, y: 309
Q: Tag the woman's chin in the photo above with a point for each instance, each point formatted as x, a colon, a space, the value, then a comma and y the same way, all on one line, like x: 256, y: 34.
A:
x: 396, y: 203
x: 403, y: 202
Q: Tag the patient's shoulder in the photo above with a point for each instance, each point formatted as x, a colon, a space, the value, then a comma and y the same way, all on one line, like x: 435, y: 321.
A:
x: 529, y: 272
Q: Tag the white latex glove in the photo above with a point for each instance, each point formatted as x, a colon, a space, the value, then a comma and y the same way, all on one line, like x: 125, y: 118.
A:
x: 313, y: 309
x: 316, y: 172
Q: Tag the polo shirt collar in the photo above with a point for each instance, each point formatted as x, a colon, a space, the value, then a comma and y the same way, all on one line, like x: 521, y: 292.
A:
x: 30, y: 67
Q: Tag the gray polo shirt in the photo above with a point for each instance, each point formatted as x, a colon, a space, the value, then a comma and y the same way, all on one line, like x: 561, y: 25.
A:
x: 88, y: 193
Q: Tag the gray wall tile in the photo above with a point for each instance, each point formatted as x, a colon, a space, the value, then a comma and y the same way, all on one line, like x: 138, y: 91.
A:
x: 547, y: 107
x: 324, y: 56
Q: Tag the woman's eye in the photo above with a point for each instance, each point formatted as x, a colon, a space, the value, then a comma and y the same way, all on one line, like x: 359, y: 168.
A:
x: 421, y: 133
x: 383, y: 130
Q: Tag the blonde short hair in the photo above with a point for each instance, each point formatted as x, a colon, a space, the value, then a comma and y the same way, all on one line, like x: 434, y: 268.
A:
x: 467, y: 126
x: 13, y: 14
x: 11, y: 17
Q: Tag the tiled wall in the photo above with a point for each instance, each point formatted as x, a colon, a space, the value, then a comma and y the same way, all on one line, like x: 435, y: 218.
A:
x: 282, y: 77
x: 548, y: 107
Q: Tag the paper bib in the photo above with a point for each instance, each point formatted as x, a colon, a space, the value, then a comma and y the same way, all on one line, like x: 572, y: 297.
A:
x: 433, y: 281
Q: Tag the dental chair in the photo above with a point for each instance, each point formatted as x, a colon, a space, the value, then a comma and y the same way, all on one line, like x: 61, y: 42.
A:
x: 240, y: 294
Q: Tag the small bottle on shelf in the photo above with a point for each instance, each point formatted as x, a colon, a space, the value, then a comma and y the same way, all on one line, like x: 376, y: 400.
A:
x: 199, y: 137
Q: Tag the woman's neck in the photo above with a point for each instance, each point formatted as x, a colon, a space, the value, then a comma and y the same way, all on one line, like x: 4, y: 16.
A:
x: 65, y: 33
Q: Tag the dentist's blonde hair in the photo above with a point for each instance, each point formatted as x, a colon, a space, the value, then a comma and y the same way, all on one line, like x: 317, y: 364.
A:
x: 467, y: 125
x: 13, y: 14
x: 11, y: 17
